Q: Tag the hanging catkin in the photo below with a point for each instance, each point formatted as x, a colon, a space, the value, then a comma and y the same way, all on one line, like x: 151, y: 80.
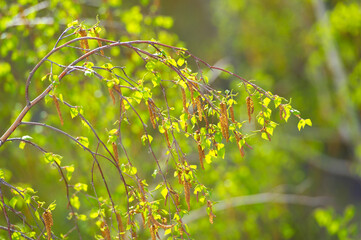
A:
x: 250, y: 107
x: 48, y: 221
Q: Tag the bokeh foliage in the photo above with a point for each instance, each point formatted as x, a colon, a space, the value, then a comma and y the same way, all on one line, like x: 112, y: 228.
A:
x: 284, y: 45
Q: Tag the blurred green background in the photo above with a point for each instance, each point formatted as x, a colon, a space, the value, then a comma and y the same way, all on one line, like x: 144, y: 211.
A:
x: 307, y: 50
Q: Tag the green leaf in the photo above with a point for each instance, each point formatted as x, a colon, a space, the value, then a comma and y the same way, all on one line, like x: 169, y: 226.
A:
x: 168, y: 231
x: 133, y: 171
x: 172, y: 62
x: 13, y: 201
x: 145, y: 138
x: 50, y: 158
x: 89, y: 73
x: 74, y: 112
x: 75, y: 202
x: 110, y: 83
x: 277, y: 101
x: 138, y: 96
x: 295, y: 112
x: 180, y: 62
x: 164, y: 192
x: 81, y: 187
x: 301, y: 124
x: 94, y: 214
x: 69, y: 171
x: 43, y: 78
x: 84, y: 141
x: 155, y: 172
x: 22, y: 144
x: 52, y: 206
x: 266, y: 101
x: 264, y: 136
x: 156, y: 79
x: 150, y: 65
x: 73, y: 23
x: 308, y: 122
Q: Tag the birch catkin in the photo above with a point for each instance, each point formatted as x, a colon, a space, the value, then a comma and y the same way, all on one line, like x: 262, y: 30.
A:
x: 199, y: 107
x: 115, y: 151
x: 187, y: 193
x: 224, y: 121
x: 184, y: 98
x: 250, y: 107
x: 58, y: 109
x: 48, y: 221
x: 105, y: 231
x: 111, y: 94
x: 151, y: 113
x: 201, y: 155
x: 232, y: 113
x: 99, y: 42
x: 120, y: 225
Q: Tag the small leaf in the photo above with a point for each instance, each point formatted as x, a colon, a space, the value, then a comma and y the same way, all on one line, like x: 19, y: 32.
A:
x: 22, y: 144
x: 277, y: 101
x: 89, y: 73
x: 148, y: 137
x: 301, y: 124
x: 180, y: 62
x: 308, y: 122
x: 264, y: 136
x: 81, y: 187
x: 150, y: 65
x: 164, y: 192
x: 84, y: 141
x: 74, y: 112
x: 69, y: 171
x: 13, y: 201
x: 52, y: 206
x: 168, y: 231
x: 75, y: 202
x: 133, y: 171
x: 73, y: 23
x: 154, y: 174
x: 266, y: 101
x: 107, y: 66
x: 43, y: 78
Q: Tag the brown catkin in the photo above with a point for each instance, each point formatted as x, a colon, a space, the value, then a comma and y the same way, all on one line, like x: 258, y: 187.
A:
x: 199, y: 107
x: 111, y: 94
x: 83, y: 33
x: 282, y: 112
x: 224, y: 121
x: 211, y: 214
x: 201, y: 155
x: 239, y: 138
x: 48, y: 221
x: 191, y: 91
x: 167, y: 138
x: 232, y: 113
x: 58, y: 109
x: 151, y: 113
x: 99, y: 42
x: 250, y: 107
x: 184, y: 98
x: 122, y: 105
x: 120, y: 225
x: 176, y: 199
x: 152, y: 230
x: 180, y: 178
x: 161, y: 225
x: 105, y: 231
x: 115, y: 151
x: 187, y: 193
